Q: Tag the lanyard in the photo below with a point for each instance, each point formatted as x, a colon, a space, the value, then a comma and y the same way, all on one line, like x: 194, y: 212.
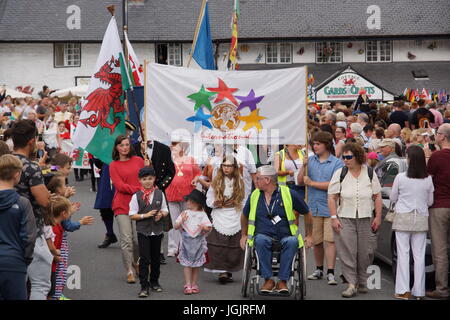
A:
x: 273, y: 205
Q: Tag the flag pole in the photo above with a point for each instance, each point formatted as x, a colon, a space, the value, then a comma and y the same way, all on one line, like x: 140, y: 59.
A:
x: 197, y: 29
x: 306, y: 129
x: 144, y: 135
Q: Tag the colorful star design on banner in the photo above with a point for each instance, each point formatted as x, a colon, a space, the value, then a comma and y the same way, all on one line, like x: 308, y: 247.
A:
x: 252, y: 120
x: 249, y: 101
x: 224, y: 92
x: 200, y: 119
x: 201, y: 98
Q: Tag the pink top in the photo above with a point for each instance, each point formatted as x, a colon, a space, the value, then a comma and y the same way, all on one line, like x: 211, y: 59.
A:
x: 124, y: 176
x: 181, y: 183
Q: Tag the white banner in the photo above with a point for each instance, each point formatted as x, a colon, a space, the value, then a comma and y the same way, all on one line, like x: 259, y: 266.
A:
x: 243, y: 107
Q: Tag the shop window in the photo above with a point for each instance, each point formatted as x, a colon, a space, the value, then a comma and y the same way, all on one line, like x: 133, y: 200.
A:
x: 67, y: 55
x: 328, y: 52
x: 279, y: 53
x: 378, y: 51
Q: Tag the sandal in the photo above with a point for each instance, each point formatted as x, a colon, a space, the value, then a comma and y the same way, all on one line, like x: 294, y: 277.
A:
x: 195, y: 289
x: 187, y: 289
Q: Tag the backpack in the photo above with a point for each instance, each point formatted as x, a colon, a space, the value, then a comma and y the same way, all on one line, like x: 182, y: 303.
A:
x: 344, y: 172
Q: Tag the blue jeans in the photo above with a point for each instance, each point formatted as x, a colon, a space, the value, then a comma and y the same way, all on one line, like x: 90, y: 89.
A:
x: 263, y: 246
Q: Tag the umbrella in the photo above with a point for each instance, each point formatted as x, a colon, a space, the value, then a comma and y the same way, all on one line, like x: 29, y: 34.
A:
x: 78, y: 91
x: 14, y: 93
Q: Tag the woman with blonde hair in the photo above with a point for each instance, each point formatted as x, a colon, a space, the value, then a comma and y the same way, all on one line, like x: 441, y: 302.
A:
x: 226, y: 197
x: 405, y: 134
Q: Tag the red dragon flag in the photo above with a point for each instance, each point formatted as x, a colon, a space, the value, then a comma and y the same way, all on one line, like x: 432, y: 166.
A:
x: 134, y: 67
x: 102, y: 116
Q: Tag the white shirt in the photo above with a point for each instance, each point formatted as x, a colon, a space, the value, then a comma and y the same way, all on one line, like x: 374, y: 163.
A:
x: 134, y: 205
x: 412, y: 194
x: 194, y: 222
x: 245, y: 157
x: 356, y: 195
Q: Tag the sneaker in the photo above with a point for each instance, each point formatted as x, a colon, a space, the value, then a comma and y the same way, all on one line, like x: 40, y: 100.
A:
x: 316, y: 275
x: 144, y: 293
x: 349, y: 292
x: 404, y: 296
x: 331, y: 279
x: 362, y: 288
x: 156, y: 287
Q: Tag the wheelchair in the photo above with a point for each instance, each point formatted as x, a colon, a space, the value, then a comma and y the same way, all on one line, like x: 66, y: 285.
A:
x: 297, y: 280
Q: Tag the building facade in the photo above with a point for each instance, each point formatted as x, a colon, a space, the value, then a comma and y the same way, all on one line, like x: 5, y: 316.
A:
x: 405, y: 44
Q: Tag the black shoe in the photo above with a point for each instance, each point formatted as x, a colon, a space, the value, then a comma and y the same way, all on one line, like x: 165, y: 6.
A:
x: 144, y: 293
x: 223, y: 278
x: 162, y: 259
x: 156, y: 287
x: 107, y: 242
x: 230, y: 277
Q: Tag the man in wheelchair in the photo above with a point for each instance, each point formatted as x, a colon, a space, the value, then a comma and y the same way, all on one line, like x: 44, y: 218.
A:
x: 270, y: 220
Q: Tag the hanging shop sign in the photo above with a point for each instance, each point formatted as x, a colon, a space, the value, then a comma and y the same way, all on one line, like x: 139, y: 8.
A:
x: 346, y: 87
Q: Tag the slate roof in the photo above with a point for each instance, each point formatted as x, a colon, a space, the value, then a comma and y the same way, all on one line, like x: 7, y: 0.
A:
x: 175, y: 20
x: 393, y: 77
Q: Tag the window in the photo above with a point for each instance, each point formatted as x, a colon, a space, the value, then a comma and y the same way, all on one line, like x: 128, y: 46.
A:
x: 169, y: 53
x: 174, y: 54
x: 328, y: 52
x: 67, y: 55
x: 378, y: 51
x: 279, y: 53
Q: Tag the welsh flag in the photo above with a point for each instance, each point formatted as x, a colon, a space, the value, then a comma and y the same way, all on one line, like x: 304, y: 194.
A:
x: 134, y: 67
x: 102, y: 116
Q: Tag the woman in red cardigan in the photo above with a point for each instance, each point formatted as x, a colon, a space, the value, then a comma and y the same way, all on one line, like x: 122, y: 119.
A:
x: 124, y: 171
x: 186, y: 176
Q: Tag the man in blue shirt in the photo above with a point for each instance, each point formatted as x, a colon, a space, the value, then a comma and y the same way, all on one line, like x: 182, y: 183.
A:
x: 271, y: 224
x: 321, y: 168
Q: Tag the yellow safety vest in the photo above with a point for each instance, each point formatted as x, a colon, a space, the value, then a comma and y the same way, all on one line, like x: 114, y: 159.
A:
x: 287, y: 203
x: 282, y: 179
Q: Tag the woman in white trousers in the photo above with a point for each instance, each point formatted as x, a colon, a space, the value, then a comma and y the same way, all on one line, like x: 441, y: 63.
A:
x: 412, y: 194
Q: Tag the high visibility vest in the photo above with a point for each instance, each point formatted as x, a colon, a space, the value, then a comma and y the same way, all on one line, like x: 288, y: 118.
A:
x: 287, y: 204
x: 282, y: 179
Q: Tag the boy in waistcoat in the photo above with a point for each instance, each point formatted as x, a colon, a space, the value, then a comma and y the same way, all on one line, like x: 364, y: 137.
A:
x: 147, y: 207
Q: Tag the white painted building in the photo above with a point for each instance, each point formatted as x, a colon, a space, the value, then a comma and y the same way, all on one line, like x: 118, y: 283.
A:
x: 56, y: 43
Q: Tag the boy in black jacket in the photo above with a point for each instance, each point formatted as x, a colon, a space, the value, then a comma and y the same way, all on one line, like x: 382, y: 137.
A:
x: 17, y: 232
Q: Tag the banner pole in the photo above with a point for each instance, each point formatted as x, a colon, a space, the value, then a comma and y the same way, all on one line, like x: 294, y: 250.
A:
x: 197, y: 28
x: 306, y: 128
x: 144, y: 130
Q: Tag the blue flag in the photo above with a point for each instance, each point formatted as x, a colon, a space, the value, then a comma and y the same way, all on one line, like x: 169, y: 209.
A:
x: 203, y: 51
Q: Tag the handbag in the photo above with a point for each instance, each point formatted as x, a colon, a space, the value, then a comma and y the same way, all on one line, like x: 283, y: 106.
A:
x: 390, y: 215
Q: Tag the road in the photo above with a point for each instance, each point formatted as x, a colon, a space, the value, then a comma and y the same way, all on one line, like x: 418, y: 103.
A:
x: 102, y: 275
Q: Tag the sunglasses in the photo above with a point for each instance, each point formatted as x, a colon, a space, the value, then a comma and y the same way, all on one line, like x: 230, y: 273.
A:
x: 347, y: 157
